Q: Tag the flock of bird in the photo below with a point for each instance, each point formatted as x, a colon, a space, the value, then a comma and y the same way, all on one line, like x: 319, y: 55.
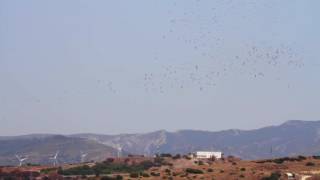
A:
x: 211, y: 64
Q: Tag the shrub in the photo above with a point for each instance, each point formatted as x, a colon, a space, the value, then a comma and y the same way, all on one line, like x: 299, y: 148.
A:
x: 200, y: 163
x: 302, y: 158
x: 48, y: 170
x: 210, y: 170
x: 80, y: 170
x: 281, y: 160
x: 278, y: 161
x: 310, y: 164
x: 118, y: 177
x: 144, y: 174
x: 107, y: 167
x: 167, y: 171
x: 177, y: 156
x: 175, y: 174
x: 241, y: 176
x: 194, y: 171
x: 134, y: 175
x: 273, y: 176
x: 165, y: 155
x: 316, y: 157
x: 31, y: 164
x: 243, y: 169
x: 110, y: 160
x: 186, y: 157
x: 154, y: 174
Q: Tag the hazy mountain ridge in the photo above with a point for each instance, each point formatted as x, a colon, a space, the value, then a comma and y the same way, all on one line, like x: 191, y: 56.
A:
x: 39, y: 150
x: 289, y: 138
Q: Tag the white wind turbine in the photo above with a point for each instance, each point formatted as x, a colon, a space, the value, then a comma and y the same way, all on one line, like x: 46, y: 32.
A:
x: 83, y: 156
x: 21, y: 160
x: 119, y: 153
x: 55, y: 158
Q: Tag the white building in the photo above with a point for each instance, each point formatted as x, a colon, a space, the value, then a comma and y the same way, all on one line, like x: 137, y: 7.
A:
x: 207, y: 155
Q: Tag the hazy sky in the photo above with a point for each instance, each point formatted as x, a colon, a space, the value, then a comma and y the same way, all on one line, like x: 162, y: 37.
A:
x: 138, y: 66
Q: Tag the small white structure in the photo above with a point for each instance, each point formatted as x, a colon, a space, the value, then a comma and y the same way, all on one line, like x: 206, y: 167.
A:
x: 290, y: 175
x: 207, y: 155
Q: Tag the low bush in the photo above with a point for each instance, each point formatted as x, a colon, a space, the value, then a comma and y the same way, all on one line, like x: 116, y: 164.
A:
x: 281, y: 160
x: 49, y: 170
x: 187, y: 157
x: 167, y: 171
x: 154, y: 174
x: 165, y: 155
x: 301, y: 158
x: 273, y: 176
x: 118, y: 177
x: 175, y: 173
x: 80, y: 170
x: 134, y: 175
x: 310, y: 164
x: 144, y: 174
x: 107, y: 167
x: 107, y: 178
x: 316, y: 157
x: 194, y: 171
x: 177, y: 156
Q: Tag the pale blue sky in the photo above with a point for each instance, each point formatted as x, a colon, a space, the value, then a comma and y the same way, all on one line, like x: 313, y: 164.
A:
x: 138, y: 66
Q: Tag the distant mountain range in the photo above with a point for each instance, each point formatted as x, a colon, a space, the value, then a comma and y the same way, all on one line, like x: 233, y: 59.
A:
x: 288, y: 139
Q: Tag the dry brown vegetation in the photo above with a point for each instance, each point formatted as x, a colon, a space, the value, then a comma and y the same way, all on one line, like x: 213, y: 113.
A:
x: 183, y: 168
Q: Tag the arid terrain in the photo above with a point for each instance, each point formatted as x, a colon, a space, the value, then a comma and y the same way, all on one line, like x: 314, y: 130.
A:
x: 174, y: 167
